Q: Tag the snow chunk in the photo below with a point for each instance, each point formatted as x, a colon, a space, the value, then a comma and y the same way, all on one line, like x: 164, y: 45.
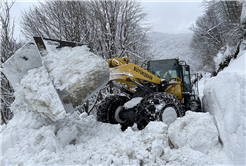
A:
x: 76, y: 71
x: 133, y: 102
x: 190, y: 130
x: 36, y: 93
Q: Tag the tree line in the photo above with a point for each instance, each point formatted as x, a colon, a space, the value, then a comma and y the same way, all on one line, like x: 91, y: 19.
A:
x: 111, y: 28
x: 217, y: 30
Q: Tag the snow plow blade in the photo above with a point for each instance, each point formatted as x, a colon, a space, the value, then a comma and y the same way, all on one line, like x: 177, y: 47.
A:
x: 74, y: 72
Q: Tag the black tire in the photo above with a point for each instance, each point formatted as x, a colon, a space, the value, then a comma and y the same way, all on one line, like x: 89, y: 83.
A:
x: 195, y: 105
x: 125, y: 125
x: 106, y: 109
x: 146, y: 110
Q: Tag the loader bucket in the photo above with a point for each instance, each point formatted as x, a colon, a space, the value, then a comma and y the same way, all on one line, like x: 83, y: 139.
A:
x: 68, y: 67
x: 26, y: 58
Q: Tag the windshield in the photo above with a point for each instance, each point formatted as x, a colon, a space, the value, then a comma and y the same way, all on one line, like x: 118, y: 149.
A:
x: 186, y: 79
x: 164, y: 68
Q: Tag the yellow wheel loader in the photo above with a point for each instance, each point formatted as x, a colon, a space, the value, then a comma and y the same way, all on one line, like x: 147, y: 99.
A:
x: 165, y: 88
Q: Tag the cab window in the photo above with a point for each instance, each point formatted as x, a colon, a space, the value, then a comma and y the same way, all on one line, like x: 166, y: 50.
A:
x: 162, y: 66
x: 186, y: 78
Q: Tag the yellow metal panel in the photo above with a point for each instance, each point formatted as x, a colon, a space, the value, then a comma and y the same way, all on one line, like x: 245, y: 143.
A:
x: 134, y: 72
x: 117, y: 62
x: 175, y: 88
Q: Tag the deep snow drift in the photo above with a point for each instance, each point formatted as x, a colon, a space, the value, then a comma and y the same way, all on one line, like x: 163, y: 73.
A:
x: 81, y: 140
x: 224, y: 98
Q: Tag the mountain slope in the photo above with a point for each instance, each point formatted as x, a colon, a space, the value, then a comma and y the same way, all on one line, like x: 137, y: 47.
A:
x: 165, y: 46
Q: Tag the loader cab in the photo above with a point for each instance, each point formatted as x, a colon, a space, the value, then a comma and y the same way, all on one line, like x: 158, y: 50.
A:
x: 175, y: 68
x: 169, y: 67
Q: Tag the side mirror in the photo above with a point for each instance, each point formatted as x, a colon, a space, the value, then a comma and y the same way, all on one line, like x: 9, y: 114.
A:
x: 187, y: 68
x: 143, y: 65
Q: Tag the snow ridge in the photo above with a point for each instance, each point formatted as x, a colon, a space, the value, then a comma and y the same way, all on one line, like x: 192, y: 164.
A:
x: 81, y: 140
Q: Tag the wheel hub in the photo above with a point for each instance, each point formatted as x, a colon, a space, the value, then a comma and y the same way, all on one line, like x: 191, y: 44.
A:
x: 116, y: 115
x: 169, y: 115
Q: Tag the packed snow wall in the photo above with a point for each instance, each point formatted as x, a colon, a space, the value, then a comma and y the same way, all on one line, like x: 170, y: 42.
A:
x: 224, y: 98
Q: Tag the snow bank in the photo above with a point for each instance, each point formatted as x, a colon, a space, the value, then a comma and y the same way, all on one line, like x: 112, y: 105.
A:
x: 224, y: 98
x: 31, y: 139
x: 202, y: 82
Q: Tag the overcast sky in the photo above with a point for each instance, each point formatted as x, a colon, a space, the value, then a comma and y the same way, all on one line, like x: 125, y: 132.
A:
x: 172, y: 17
x: 164, y: 16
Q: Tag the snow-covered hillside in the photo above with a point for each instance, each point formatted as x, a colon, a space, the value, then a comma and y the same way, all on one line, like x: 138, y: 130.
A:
x: 164, y: 46
x: 213, y: 138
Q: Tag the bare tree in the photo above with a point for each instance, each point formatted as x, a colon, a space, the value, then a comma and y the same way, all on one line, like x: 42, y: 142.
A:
x: 116, y: 28
x: 64, y: 20
x: 8, y: 48
x: 7, y: 41
x: 111, y: 28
